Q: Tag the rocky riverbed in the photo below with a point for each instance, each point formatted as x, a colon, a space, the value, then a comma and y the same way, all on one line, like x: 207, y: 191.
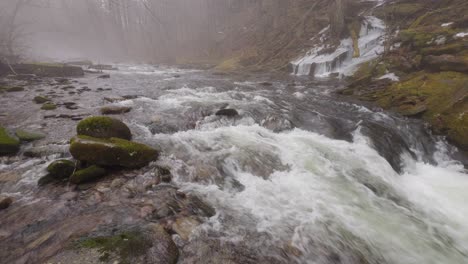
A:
x: 237, y: 168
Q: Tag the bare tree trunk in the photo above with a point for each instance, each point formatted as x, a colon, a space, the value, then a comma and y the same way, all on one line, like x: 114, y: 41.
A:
x: 337, y: 14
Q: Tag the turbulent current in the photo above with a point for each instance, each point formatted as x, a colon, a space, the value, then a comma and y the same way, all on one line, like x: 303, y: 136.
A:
x: 301, y: 175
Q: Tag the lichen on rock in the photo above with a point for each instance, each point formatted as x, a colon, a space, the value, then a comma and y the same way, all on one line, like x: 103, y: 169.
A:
x: 103, y: 127
x: 111, y: 152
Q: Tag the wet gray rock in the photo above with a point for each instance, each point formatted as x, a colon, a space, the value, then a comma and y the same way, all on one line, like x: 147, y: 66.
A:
x: 5, y: 203
x: 277, y: 123
x: 227, y: 112
x: 115, y: 110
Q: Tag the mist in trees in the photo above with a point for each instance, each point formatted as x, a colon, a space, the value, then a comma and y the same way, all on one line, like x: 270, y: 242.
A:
x: 140, y: 30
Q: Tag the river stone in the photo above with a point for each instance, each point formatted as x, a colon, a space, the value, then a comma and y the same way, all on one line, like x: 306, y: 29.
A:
x: 227, y: 112
x: 8, y: 144
x: 103, y: 127
x: 49, y: 106
x: 27, y: 136
x: 89, y: 174
x: 61, y: 169
x: 184, y: 226
x: 5, y: 203
x: 115, y: 110
x: 111, y: 152
x: 40, y: 99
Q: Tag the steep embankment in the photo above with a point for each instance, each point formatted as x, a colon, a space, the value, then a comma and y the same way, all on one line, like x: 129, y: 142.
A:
x: 423, y: 71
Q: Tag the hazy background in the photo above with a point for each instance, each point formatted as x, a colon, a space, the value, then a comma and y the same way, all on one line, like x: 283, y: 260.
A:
x: 136, y: 30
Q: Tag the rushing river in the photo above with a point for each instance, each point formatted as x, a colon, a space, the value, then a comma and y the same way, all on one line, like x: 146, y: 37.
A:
x: 300, y: 176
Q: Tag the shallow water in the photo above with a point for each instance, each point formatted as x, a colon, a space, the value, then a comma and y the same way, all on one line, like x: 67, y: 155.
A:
x: 300, y: 176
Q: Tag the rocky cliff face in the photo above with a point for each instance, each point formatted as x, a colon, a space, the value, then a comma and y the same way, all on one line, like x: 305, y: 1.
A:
x: 424, y: 69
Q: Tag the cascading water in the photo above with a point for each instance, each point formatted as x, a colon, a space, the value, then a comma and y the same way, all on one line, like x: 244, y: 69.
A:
x: 341, y: 61
x: 300, y: 176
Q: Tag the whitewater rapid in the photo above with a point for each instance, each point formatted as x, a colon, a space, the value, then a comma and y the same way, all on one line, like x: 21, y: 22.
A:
x: 301, y: 175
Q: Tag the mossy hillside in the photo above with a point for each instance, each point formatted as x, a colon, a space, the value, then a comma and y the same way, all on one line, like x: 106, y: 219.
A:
x: 126, y: 246
x: 8, y: 144
x: 439, y: 98
x: 111, y: 152
x: 89, y: 174
x: 103, y: 127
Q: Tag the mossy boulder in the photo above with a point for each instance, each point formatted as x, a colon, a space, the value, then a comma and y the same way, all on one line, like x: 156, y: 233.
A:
x: 89, y: 174
x: 49, y: 106
x: 40, y: 99
x: 61, y: 169
x: 111, y: 152
x: 8, y: 144
x: 103, y: 127
x: 15, y: 89
x: 28, y: 136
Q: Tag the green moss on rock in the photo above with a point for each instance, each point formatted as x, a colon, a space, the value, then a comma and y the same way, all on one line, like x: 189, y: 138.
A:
x: 40, y: 99
x: 61, y: 169
x: 15, y: 89
x: 440, y: 98
x: 27, y: 136
x: 8, y: 145
x: 89, y: 174
x: 126, y: 246
x: 103, y: 127
x: 48, y: 106
x: 111, y: 152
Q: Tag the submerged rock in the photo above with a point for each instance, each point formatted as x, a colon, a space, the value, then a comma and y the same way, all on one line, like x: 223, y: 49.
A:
x: 61, y: 169
x: 15, y: 89
x: 111, y: 152
x: 8, y: 144
x: 227, y: 112
x: 40, y: 99
x: 27, y: 136
x: 103, y: 127
x: 104, y: 76
x: 5, y: 203
x: 115, y: 110
x: 49, y: 106
x: 89, y: 174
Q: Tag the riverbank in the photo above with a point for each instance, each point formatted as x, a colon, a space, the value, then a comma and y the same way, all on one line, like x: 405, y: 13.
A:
x: 424, y: 72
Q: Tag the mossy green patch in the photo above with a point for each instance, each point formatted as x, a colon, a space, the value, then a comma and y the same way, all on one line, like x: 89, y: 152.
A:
x: 8, y: 144
x: 111, y: 152
x: 126, y: 246
x: 440, y: 98
x: 28, y: 136
x: 40, y: 99
x: 49, y: 106
x: 15, y: 89
x: 61, y: 169
x: 89, y: 174
x: 422, y: 37
x: 103, y: 127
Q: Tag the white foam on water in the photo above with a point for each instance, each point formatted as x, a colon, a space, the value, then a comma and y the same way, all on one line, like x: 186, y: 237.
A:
x: 417, y: 217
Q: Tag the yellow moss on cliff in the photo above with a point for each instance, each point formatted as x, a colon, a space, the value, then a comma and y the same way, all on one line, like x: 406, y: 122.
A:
x: 440, y: 98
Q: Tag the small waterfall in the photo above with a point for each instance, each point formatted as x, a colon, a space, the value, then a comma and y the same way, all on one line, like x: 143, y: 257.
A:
x: 341, y: 61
